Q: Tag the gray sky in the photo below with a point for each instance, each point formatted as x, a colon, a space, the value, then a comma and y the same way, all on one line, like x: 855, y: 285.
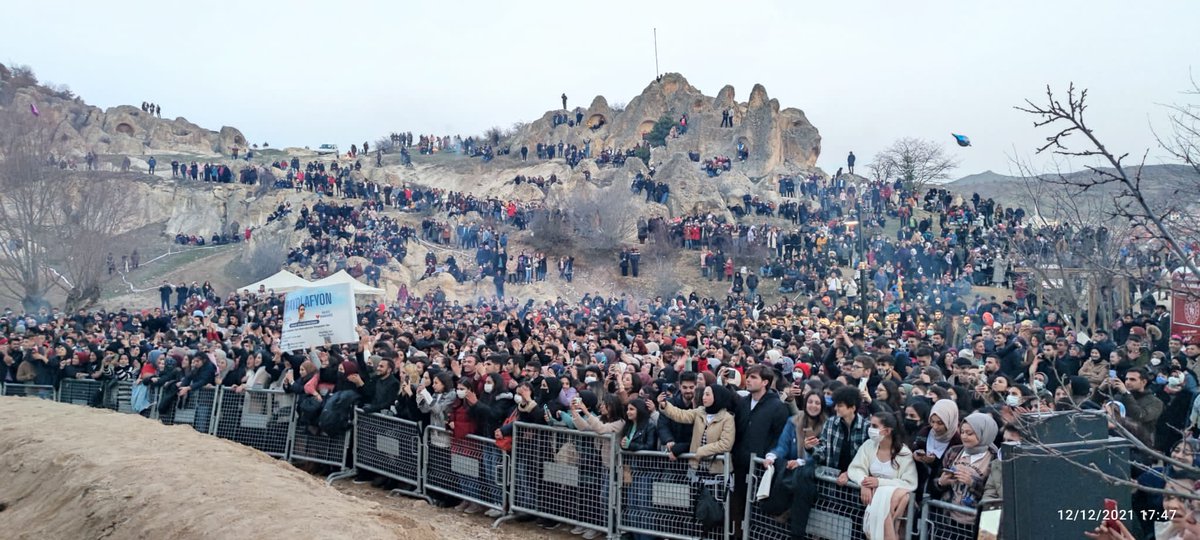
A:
x: 303, y: 73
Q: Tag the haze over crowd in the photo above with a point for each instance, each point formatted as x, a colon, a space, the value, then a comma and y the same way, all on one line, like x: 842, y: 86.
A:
x: 376, y: 66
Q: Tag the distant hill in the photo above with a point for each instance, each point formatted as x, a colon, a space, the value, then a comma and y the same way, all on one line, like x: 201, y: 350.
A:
x: 1158, y: 179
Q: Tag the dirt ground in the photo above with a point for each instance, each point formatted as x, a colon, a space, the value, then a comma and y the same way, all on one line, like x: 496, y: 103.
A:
x: 73, y: 472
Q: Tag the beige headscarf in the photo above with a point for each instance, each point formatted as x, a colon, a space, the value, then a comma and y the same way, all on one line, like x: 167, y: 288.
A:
x: 946, y: 411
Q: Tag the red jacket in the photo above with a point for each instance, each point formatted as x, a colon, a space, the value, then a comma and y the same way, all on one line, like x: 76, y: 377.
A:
x: 463, y: 425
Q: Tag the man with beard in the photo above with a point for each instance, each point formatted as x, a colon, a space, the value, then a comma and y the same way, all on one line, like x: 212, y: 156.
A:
x: 676, y: 437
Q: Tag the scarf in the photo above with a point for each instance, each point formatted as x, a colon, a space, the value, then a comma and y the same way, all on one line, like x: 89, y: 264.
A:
x: 985, y: 429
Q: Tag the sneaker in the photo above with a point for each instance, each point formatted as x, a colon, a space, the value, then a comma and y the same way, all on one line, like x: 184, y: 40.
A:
x: 461, y: 506
x: 590, y: 534
x: 361, y: 479
x: 493, y: 513
x: 473, y: 509
x: 578, y: 530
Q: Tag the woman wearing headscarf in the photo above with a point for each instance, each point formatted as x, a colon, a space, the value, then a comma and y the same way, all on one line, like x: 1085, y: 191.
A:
x: 934, y: 440
x: 713, y: 427
x: 489, y: 409
x: 966, y: 466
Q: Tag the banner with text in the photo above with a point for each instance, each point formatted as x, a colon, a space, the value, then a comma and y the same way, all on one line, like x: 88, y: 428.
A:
x: 1185, y: 305
x: 316, y: 316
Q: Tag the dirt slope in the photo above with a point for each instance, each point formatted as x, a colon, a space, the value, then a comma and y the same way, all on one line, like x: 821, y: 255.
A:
x: 73, y: 472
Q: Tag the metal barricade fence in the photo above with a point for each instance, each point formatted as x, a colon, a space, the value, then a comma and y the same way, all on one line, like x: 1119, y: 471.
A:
x: 564, y: 475
x: 260, y: 419
x: 30, y: 390
x: 837, y: 512
x: 391, y: 447
x: 86, y: 392
x: 195, y: 409
x: 941, y: 520
x: 659, y: 495
x: 472, y: 468
x: 318, y: 447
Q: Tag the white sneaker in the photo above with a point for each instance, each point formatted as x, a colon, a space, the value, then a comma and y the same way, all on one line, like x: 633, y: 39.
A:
x: 578, y: 530
x: 472, y: 508
x: 590, y: 534
x: 462, y: 506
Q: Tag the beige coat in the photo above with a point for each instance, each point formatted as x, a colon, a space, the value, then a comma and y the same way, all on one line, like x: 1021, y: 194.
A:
x: 719, y: 433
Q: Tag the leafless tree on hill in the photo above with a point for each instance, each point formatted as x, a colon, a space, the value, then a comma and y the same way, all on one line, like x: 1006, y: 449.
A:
x: 916, y: 162
x: 92, y: 213
x: 27, y: 208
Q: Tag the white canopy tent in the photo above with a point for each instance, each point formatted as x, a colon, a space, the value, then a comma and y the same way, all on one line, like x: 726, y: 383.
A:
x: 281, y: 282
x: 360, y: 288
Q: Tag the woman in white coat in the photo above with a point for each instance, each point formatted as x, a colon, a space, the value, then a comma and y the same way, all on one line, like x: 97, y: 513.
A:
x: 885, y: 470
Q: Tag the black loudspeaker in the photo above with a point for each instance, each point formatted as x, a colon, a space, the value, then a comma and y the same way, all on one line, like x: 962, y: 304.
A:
x: 1065, y: 427
x: 1052, y: 491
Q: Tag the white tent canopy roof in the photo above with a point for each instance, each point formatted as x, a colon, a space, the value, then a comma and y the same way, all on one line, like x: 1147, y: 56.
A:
x: 281, y: 282
x: 359, y: 287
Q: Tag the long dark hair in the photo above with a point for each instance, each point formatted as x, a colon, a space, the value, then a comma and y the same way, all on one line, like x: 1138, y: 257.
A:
x: 892, y: 422
x: 643, y: 417
x: 614, y: 409
x: 807, y: 421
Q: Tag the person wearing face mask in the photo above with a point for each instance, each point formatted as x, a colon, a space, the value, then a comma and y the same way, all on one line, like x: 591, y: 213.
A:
x: 884, y: 469
x: 460, y: 423
x: 965, y: 468
x: 842, y: 434
x: 1095, y: 367
x: 1178, y: 393
x: 1186, y: 451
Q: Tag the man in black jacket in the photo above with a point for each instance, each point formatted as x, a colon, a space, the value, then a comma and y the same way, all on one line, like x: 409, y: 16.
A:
x: 760, y: 419
x: 382, y: 389
x: 676, y: 437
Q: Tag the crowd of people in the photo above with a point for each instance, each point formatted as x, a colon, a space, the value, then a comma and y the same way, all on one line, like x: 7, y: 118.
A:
x: 908, y: 405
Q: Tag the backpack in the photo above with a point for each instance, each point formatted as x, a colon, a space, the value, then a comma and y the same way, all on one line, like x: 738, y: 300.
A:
x: 338, y: 413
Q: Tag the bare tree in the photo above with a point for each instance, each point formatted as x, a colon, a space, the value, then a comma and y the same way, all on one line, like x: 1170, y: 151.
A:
x: 27, y: 207
x: 598, y: 223
x: 1165, y: 220
x: 917, y: 162
x: 92, y: 212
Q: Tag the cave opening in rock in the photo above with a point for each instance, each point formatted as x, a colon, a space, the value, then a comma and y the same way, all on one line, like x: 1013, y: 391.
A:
x: 645, y: 127
x: 125, y: 128
x: 596, y: 121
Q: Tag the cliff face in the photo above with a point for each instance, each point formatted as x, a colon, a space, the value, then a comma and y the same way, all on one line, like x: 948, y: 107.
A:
x: 777, y: 140
x: 77, y: 127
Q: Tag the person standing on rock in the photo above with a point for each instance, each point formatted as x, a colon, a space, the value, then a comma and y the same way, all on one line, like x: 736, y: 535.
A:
x: 725, y: 118
x: 135, y: 259
x: 564, y: 99
x: 624, y: 263
x: 635, y: 257
x: 164, y: 295
x: 174, y: 168
x: 152, y: 163
x: 524, y: 152
x: 158, y: 111
x: 850, y: 162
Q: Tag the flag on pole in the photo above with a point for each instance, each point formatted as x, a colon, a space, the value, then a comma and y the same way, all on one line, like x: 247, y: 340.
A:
x: 33, y: 109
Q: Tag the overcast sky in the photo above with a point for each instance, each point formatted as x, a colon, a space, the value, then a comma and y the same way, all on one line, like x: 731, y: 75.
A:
x: 303, y: 73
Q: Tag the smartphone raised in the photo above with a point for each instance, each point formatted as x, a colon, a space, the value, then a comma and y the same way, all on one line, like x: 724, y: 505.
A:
x: 862, y: 383
x: 1110, y: 515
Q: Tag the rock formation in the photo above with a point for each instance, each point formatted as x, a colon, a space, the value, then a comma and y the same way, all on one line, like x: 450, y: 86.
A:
x: 778, y: 140
x: 77, y: 127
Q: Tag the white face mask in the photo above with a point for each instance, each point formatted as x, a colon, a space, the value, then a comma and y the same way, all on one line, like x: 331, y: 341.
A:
x: 1174, y: 381
x: 589, y: 380
x: 460, y: 393
x: 519, y: 399
x: 1154, y: 360
x: 875, y: 434
x: 1012, y: 400
x: 1038, y: 385
x: 488, y: 387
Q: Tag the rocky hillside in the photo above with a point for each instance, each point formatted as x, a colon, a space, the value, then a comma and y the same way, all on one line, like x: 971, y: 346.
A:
x: 78, y: 128
x: 1160, y: 180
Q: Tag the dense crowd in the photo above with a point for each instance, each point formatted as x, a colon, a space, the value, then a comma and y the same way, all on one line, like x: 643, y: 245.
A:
x: 907, y: 405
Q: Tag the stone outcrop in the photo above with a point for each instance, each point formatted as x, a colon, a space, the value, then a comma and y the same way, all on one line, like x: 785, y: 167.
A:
x: 74, y: 128
x: 778, y: 140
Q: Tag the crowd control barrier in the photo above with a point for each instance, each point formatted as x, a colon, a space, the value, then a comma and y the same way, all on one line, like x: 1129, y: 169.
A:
x: 390, y: 447
x: 941, y: 520
x: 260, y: 419
x: 86, y: 392
x: 471, y: 468
x: 194, y: 409
x: 29, y: 390
x: 564, y: 475
x: 573, y: 477
x: 315, y: 447
x: 837, y: 512
x: 659, y: 495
